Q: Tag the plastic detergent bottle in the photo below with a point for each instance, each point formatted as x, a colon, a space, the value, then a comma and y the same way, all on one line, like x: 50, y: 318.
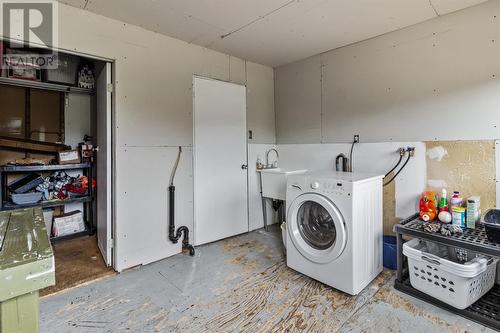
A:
x: 443, y: 202
x: 456, y: 200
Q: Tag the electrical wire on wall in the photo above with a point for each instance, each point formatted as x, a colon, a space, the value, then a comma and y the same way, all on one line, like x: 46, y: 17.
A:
x: 356, y: 140
x: 411, y: 152
x: 350, y: 156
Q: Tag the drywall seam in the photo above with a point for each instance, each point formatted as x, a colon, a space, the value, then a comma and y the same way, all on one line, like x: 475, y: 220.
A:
x: 275, y: 113
x: 321, y: 66
x: 433, y: 8
x: 497, y: 175
x: 154, y: 146
x: 261, y: 17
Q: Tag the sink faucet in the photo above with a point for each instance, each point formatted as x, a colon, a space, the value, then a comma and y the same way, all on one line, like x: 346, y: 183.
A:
x: 275, y: 164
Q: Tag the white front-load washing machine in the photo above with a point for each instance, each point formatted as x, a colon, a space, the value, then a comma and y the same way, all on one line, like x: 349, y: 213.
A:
x: 334, y: 227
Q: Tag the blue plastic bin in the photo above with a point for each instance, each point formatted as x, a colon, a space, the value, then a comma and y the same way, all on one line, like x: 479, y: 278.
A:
x: 390, y: 252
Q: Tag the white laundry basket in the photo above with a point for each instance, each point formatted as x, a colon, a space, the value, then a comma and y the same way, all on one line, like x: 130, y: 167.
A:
x: 454, y: 283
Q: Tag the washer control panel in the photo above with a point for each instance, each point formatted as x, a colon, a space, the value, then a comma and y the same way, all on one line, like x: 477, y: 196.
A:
x: 314, y: 185
x: 329, y: 187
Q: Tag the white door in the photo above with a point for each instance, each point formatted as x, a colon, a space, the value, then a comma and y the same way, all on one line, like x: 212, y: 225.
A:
x: 103, y: 159
x: 220, y: 158
x: 316, y: 227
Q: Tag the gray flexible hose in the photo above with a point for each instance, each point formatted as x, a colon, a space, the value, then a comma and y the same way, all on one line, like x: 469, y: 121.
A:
x: 172, y: 176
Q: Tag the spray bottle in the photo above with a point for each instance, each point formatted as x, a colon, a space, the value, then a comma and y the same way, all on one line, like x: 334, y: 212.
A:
x: 443, y: 202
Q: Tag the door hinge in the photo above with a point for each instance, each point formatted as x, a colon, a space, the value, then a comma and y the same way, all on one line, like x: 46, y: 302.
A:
x: 111, y: 243
x: 110, y: 87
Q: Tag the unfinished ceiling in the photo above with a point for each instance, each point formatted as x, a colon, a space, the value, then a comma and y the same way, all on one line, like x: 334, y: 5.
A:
x: 272, y: 32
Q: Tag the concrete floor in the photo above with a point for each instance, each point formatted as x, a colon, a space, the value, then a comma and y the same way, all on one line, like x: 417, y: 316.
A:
x: 240, y: 284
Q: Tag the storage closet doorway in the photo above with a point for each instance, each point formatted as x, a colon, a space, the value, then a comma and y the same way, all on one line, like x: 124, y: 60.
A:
x: 43, y: 116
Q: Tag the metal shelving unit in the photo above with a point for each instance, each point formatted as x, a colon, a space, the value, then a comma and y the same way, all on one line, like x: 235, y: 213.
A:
x: 6, y: 205
x: 486, y: 310
x: 87, y: 200
x: 42, y: 168
x: 44, y: 86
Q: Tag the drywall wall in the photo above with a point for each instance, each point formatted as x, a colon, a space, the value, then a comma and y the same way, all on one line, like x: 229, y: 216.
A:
x: 298, y: 102
x: 144, y: 198
x: 260, y: 103
x: 438, y: 80
x: 273, y: 32
x: 400, y: 196
x: 367, y: 157
x: 152, y: 116
x: 465, y: 166
x: 255, y: 212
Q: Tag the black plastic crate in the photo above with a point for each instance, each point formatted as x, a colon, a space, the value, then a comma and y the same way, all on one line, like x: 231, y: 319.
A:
x: 26, y: 183
x: 66, y: 71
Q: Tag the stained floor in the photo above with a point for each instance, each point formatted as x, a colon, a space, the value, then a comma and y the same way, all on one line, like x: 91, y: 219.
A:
x: 77, y: 261
x: 238, y: 285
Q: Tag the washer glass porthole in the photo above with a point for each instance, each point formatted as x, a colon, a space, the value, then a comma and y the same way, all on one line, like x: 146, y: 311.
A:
x: 316, y: 225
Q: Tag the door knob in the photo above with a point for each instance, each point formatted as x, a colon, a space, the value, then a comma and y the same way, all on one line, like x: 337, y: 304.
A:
x: 244, y: 166
x: 96, y: 149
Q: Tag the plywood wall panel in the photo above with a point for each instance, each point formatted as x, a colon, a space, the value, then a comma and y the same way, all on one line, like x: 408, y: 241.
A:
x: 465, y: 166
x: 7, y: 156
x: 45, y: 122
x: 13, y: 111
x: 389, y: 204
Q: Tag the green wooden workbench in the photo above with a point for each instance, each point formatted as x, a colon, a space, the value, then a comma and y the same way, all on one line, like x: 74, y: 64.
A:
x: 26, y: 265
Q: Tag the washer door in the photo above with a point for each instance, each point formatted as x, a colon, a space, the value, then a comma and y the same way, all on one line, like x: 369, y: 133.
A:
x: 317, y: 228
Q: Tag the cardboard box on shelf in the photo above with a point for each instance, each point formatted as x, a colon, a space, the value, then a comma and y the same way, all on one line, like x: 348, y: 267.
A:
x: 67, y: 224
x: 68, y: 157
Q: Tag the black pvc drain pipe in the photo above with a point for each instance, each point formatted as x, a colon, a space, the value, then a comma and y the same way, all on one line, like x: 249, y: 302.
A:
x: 172, y: 234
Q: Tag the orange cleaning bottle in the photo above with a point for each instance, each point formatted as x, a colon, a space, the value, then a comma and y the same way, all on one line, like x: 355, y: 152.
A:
x: 428, y: 206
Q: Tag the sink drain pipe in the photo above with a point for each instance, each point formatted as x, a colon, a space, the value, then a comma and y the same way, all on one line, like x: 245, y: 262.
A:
x: 172, y: 235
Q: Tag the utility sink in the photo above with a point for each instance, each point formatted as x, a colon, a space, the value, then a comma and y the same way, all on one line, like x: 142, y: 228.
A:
x: 274, y: 182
